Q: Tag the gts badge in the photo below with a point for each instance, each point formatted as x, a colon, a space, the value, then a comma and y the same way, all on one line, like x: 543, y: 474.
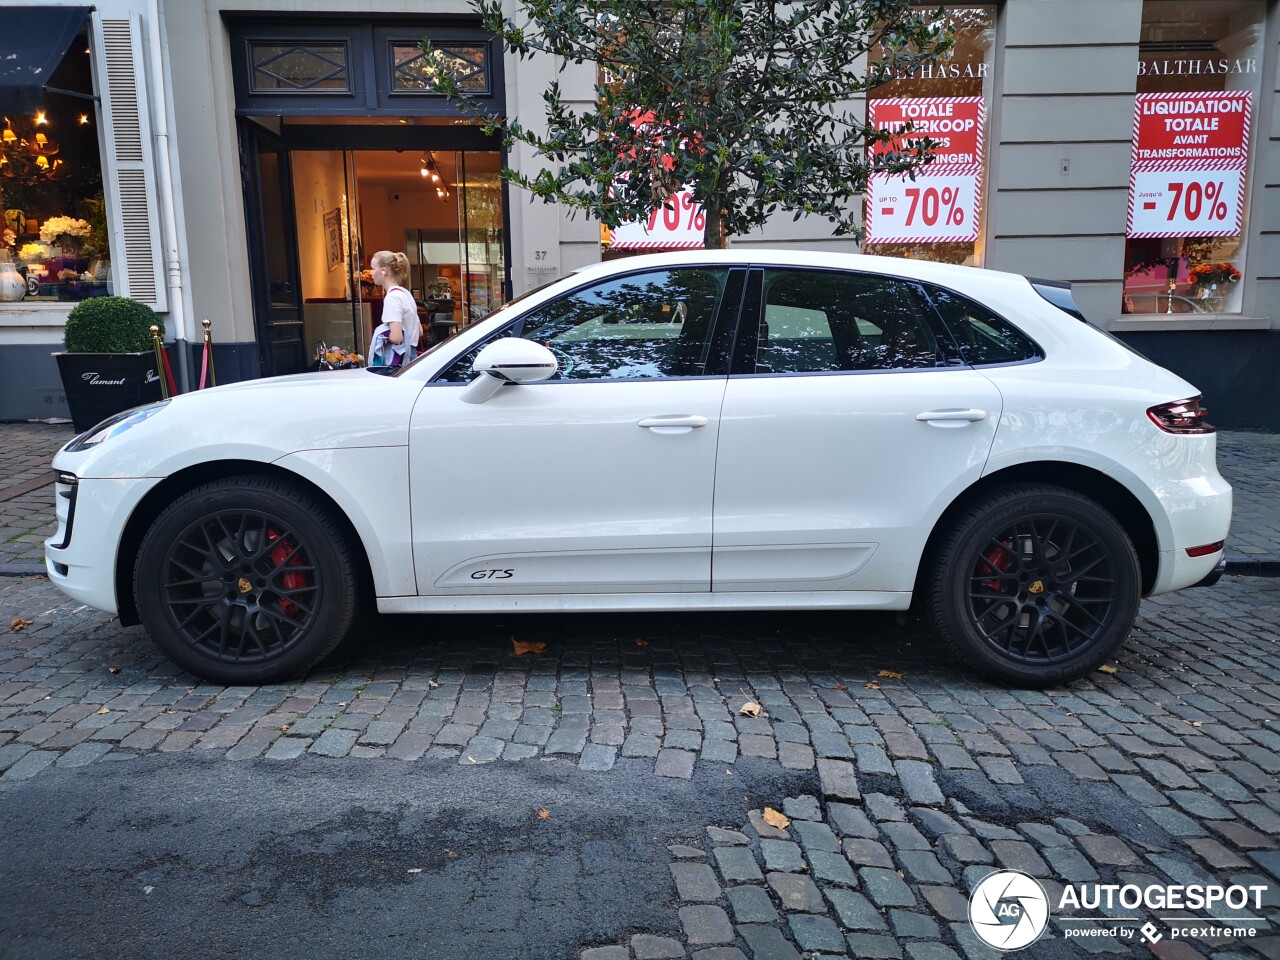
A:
x: 493, y: 574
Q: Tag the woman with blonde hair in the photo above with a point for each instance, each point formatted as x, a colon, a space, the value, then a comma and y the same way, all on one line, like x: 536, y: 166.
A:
x: 395, y: 341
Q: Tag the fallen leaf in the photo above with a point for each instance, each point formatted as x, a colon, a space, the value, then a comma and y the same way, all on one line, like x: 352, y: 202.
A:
x: 522, y: 647
x: 1194, y: 723
x: 470, y: 759
x: 104, y: 710
x: 641, y: 643
x: 431, y: 684
x: 750, y: 709
x: 544, y: 814
x: 1106, y: 668
x: 284, y: 728
x: 889, y: 674
x: 872, y: 685
x: 840, y: 686
x: 113, y: 669
x: 18, y: 624
x: 775, y: 819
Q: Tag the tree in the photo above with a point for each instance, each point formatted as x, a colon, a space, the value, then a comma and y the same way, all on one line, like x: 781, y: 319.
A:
x: 746, y: 102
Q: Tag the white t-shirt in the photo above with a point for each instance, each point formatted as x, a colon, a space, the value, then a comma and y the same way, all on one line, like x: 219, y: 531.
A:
x: 398, y: 307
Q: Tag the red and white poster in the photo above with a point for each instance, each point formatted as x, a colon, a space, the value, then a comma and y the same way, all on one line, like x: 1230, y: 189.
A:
x: 677, y: 225
x: 944, y: 201
x: 1190, y: 151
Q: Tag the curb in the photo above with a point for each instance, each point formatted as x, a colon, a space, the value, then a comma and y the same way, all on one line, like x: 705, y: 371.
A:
x: 22, y: 570
x: 1253, y: 567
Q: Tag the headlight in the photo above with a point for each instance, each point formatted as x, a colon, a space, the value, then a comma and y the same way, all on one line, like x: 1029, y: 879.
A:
x: 113, y: 426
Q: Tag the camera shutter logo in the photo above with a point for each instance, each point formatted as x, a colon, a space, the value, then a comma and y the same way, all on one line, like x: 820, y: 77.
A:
x: 1009, y: 910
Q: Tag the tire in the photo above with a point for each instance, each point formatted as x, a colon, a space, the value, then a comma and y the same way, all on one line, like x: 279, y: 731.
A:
x: 1034, y: 585
x: 246, y: 580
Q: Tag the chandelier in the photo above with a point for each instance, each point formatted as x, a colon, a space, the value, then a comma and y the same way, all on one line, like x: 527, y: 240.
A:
x: 27, y: 153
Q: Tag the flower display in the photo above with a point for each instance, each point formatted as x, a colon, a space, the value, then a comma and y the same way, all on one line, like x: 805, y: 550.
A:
x: 31, y: 252
x: 336, y: 358
x: 7, y: 238
x: 1211, y: 274
x: 61, y: 229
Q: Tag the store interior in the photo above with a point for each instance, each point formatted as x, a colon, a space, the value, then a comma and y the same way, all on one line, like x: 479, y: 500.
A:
x: 443, y: 209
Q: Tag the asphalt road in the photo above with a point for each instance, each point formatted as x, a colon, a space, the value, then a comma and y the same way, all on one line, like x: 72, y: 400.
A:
x: 168, y: 857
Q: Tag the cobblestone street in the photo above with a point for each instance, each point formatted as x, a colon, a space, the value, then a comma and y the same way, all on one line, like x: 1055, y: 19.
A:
x: 1165, y: 771
x: 921, y: 778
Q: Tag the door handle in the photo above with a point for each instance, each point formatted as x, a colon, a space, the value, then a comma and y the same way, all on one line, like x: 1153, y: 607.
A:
x: 952, y: 417
x: 673, y: 423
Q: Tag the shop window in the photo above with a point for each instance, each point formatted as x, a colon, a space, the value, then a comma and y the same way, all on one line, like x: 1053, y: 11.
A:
x: 299, y: 67
x: 412, y: 70
x: 1197, y: 92
x: 938, y: 215
x: 53, y: 240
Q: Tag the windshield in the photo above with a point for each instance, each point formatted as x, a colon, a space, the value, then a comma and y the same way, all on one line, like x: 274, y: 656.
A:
x: 397, y: 371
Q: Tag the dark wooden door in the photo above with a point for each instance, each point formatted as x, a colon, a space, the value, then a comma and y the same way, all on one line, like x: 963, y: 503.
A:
x: 273, y: 251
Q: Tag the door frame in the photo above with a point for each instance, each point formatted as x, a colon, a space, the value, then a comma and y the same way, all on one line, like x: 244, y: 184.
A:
x: 253, y: 137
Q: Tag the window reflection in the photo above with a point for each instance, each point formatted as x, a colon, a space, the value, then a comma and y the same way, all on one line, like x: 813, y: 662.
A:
x: 646, y: 326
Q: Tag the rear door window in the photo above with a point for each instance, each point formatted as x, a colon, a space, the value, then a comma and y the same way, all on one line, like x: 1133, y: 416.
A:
x: 982, y: 337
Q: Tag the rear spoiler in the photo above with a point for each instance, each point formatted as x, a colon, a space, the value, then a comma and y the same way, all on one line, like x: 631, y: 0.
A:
x: 1058, y: 293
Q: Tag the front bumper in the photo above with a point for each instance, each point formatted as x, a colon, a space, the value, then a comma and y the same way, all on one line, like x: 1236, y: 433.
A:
x: 81, y: 555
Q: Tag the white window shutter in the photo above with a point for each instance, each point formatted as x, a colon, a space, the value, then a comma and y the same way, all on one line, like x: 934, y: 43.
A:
x: 130, y: 175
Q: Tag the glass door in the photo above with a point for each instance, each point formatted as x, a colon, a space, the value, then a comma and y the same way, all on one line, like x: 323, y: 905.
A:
x: 480, y: 232
x: 443, y: 209
x: 335, y: 311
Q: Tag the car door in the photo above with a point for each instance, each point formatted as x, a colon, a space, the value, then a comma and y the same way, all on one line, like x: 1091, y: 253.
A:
x: 849, y: 423
x: 598, y: 480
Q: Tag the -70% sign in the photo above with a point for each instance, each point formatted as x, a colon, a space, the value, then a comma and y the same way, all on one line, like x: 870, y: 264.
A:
x: 680, y: 208
x: 929, y: 208
x: 1203, y: 203
x: 678, y: 224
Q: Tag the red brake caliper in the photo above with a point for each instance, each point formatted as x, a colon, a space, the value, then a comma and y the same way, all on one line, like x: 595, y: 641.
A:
x: 290, y: 581
x: 995, y: 560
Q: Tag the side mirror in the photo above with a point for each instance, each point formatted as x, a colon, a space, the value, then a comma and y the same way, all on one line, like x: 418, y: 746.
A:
x: 508, y: 360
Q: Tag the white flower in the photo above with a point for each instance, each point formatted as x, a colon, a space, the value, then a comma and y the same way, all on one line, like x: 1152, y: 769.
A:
x: 56, y: 227
x: 34, y: 251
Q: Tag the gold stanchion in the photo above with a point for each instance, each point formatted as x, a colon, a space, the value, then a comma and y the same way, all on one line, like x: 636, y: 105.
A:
x: 157, y: 345
x: 206, y: 365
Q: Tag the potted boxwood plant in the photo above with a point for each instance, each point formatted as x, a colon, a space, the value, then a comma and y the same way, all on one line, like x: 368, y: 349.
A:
x: 109, y: 365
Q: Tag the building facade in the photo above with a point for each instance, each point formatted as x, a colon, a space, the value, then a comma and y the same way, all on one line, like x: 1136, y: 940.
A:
x: 239, y: 162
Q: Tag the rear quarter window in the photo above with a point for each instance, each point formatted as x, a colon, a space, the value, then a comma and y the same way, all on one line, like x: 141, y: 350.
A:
x: 982, y: 337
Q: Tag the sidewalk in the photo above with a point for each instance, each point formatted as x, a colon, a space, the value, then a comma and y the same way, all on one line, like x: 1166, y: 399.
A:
x: 1249, y: 461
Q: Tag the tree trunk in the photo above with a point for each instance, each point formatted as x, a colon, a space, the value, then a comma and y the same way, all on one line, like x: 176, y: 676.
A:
x: 713, y: 237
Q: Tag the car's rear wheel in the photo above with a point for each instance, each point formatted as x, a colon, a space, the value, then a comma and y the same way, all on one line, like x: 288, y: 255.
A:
x: 1035, y: 585
x: 246, y: 580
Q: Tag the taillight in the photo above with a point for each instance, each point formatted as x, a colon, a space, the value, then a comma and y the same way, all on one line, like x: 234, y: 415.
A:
x: 1181, y: 416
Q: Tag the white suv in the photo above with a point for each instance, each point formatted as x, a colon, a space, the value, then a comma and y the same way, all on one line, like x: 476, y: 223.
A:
x: 705, y: 430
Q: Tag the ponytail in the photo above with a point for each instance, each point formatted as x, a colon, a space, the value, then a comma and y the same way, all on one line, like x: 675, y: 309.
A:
x: 396, y: 264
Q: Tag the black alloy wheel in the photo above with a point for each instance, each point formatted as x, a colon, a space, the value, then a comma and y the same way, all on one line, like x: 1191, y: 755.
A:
x: 245, y: 580
x: 1036, y: 585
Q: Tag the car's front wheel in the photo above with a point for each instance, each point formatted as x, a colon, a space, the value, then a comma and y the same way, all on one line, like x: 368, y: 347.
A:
x: 245, y: 580
x: 1035, y: 585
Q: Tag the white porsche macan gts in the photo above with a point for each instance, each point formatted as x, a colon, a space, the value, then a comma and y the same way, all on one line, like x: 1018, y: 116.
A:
x: 723, y: 430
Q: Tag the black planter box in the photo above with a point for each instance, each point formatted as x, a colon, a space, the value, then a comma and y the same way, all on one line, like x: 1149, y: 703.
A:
x: 99, y: 385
